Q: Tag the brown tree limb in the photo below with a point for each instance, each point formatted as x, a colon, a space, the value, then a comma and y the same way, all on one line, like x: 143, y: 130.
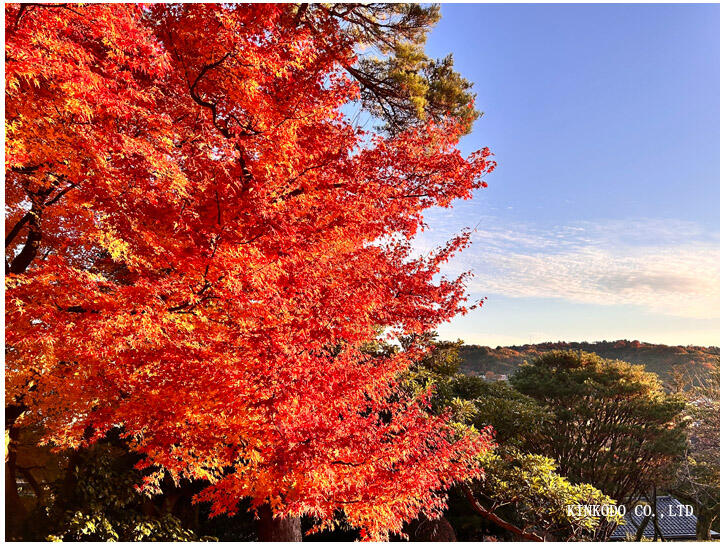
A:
x: 478, y: 507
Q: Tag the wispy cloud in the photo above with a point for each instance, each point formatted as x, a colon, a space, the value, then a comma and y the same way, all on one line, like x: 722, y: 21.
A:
x: 669, y: 267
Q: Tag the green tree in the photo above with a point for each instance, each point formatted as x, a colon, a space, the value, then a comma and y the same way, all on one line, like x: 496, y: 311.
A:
x: 399, y: 83
x: 90, y: 494
x: 512, y: 415
x: 611, y: 423
x: 97, y: 500
x: 522, y: 493
x: 526, y: 489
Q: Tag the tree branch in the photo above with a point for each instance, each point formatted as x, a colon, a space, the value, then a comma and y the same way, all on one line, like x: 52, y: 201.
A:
x: 497, y: 520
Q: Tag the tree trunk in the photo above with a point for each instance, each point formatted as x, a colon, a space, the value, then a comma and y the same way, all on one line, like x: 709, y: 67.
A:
x: 15, y: 513
x: 271, y: 529
x: 655, y: 519
x: 704, y: 523
x: 641, y: 528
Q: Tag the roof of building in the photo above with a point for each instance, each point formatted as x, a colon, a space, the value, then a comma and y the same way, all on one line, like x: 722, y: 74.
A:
x: 673, y: 517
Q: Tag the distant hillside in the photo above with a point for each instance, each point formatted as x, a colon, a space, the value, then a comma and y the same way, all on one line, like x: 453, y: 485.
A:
x: 656, y: 358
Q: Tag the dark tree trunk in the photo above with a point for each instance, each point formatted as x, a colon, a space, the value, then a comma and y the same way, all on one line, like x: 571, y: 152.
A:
x: 655, y: 518
x: 15, y: 512
x: 641, y: 528
x: 271, y: 529
x: 704, y: 523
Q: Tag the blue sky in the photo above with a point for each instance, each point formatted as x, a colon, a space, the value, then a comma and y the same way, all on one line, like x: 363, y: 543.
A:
x: 602, y: 219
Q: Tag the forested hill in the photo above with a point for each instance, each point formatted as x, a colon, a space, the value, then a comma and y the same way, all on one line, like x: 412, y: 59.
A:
x: 656, y: 358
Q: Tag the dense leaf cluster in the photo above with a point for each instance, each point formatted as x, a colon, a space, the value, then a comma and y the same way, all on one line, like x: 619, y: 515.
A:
x: 612, y: 424
x: 201, y: 241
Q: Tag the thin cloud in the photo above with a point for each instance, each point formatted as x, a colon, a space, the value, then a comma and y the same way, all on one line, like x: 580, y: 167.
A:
x: 668, y: 267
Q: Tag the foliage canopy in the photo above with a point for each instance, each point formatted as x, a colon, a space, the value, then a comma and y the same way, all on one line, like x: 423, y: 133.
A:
x: 613, y: 425
x: 200, y: 243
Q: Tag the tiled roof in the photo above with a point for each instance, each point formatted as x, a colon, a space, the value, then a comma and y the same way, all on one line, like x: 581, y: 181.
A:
x: 671, y: 516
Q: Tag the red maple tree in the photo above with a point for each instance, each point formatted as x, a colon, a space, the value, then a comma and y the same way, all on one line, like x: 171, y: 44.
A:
x: 200, y: 246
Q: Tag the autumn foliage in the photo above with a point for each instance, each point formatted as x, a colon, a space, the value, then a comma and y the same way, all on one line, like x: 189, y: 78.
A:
x: 202, y: 248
